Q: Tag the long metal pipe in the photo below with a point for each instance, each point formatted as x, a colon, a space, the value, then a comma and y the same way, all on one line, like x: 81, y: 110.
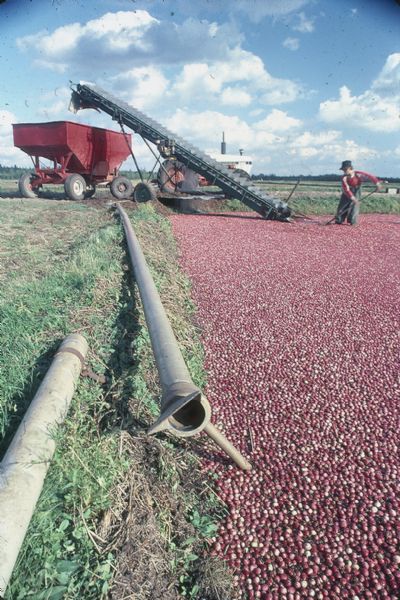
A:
x: 184, y: 409
x: 25, y: 464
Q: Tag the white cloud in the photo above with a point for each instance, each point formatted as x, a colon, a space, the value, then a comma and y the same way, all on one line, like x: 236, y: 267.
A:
x: 278, y: 121
x: 213, y: 80
x: 274, y: 140
x: 239, y: 65
x: 368, y: 110
x: 388, y: 80
x: 6, y: 120
x: 245, y: 66
x: 129, y: 39
x: 146, y: 52
x: 329, y: 146
x: 206, y: 126
x: 304, y: 25
x: 143, y: 86
x: 137, y: 40
x: 280, y: 91
x: 9, y: 154
x: 118, y: 30
x: 291, y: 43
x: 234, y: 96
x: 317, y: 139
x: 196, y: 79
x: 131, y: 27
x: 376, y: 109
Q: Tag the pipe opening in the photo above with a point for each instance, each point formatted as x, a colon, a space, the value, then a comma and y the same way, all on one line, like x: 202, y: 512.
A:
x: 191, y: 418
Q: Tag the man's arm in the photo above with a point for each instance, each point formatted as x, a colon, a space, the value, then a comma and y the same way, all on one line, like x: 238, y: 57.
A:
x: 368, y: 177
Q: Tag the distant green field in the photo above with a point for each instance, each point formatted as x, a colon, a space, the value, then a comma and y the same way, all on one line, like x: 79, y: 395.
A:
x: 313, y: 183
x: 322, y: 198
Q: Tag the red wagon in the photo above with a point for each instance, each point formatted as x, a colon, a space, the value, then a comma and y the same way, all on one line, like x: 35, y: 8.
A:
x: 82, y: 157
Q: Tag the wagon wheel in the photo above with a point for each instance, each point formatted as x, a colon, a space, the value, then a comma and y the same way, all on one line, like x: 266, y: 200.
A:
x: 121, y: 188
x: 170, y: 175
x: 25, y: 186
x: 143, y: 192
x: 75, y: 187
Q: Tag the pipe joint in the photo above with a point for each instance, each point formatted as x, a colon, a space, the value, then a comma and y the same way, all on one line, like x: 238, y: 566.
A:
x: 185, y: 411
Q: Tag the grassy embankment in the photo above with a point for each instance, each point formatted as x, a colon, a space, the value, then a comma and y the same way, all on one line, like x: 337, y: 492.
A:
x: 111, y: 494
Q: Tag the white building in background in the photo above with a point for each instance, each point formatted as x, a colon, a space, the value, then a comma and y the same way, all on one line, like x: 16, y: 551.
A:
x: 233, y: 161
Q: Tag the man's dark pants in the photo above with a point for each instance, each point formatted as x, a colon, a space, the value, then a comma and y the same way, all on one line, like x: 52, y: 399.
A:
x: 348, y: 209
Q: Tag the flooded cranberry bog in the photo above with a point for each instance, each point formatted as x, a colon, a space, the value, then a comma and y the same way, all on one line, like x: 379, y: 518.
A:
x: 301, y: 333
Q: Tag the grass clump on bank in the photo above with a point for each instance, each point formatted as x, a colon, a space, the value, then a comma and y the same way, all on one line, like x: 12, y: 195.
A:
x: 116, y: 512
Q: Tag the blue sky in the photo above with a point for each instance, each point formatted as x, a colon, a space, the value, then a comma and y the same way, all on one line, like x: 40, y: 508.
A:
x: 299, y: 84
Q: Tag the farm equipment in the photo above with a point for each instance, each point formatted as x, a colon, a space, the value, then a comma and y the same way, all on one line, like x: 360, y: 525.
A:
x: 82, y: 156
x: 184, y: 163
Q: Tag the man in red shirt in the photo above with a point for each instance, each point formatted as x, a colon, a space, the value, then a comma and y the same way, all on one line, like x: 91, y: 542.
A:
x: 349, y: 203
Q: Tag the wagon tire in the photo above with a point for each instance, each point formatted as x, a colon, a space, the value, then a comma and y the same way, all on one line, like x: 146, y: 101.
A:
x: 75, y: 187
x: 90, y: 191
x: 121, y: 188
x: 25, y: 186
x: 144, y: 192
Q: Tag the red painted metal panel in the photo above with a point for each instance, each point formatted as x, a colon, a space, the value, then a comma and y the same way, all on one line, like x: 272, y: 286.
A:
x: 92, y: 150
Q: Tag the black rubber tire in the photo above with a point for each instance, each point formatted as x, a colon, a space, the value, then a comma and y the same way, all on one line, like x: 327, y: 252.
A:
x: 75, y: 187
x: 25, y: 187
x: 144, y: 192
x: 173, y: 176
x: 90, y: 191
x: 121, y: 188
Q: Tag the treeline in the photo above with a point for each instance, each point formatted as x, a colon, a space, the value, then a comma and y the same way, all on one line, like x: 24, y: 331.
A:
x: 273, y: 177
x: 316, y: 178
x: 135, y: 175
x: 16, y: 172
x: 12, y: 172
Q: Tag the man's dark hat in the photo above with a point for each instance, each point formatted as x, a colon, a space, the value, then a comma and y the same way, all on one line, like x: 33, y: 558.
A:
x: 346, y: 164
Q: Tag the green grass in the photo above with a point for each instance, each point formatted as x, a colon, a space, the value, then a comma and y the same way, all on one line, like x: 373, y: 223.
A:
x: 325, y: 203
x: 311, y: 201
x: 64, y: 269
x: 75, y: 265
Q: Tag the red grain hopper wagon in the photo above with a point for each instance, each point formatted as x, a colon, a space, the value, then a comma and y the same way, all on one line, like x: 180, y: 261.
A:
x: 82, y: 157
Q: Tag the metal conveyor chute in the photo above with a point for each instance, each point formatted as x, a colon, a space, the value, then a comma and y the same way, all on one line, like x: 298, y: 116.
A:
x: 233, y: 185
